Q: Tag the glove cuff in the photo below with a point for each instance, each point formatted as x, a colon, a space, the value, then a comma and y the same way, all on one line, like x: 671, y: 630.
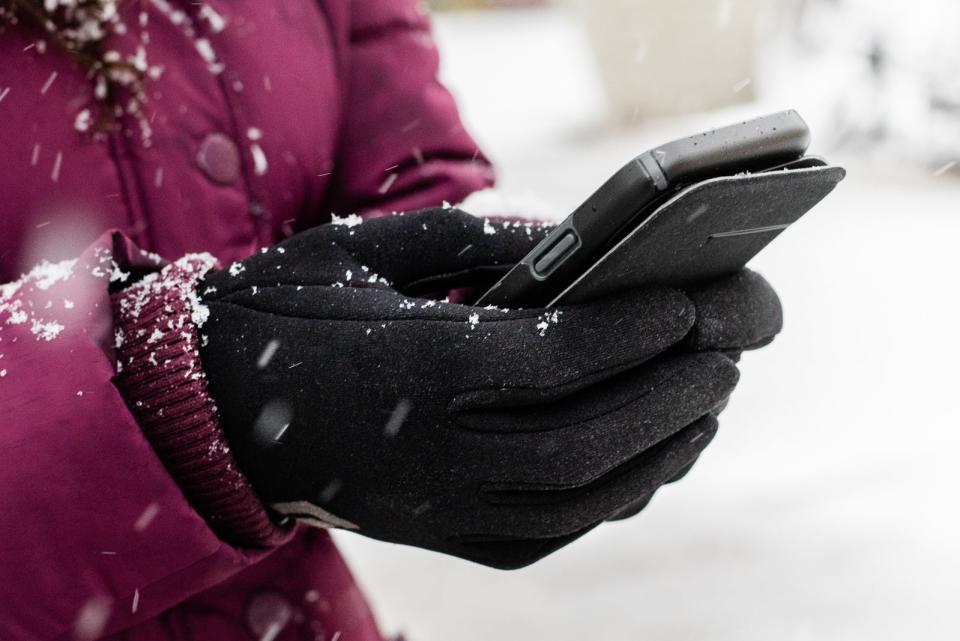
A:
x: 161, y: 378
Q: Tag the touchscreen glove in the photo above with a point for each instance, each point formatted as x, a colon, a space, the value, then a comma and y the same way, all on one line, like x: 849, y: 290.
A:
x: 734, y: 314
x: 493, y: 435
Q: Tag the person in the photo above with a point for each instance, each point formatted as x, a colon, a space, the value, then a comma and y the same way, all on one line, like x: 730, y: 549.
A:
x: 200, y: 360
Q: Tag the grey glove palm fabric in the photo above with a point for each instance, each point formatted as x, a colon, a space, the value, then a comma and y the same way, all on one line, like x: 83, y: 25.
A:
x: 493, y: 435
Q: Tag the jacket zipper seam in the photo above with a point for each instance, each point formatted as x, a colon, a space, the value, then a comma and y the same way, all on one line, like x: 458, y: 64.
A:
x: 261, y: 235
x: 131, y: 189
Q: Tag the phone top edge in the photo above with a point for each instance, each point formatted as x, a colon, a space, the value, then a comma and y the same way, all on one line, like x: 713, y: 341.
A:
x: 767, y: 143
x: 751, y: 145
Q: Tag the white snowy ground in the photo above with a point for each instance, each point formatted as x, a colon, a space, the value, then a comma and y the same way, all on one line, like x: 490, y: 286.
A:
x: 827, y: 506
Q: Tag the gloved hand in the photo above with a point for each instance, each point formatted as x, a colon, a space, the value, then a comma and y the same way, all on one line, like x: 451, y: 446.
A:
x: 734, y: 314
x: 493, y: 435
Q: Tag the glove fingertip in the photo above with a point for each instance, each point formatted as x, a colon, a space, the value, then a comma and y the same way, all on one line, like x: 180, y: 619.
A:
x: 735, y: 313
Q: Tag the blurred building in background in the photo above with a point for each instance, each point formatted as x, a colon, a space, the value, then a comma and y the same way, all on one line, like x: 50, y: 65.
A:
x: 482, y: 4
x: 883, y: 76
x: 682, y: 56
x: 877, y: 79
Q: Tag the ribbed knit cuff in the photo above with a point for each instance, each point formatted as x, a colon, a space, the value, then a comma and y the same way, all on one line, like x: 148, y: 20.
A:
x: 161, y: 377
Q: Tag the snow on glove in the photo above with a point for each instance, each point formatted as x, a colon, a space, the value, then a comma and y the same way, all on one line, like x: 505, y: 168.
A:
x: 493, y: 435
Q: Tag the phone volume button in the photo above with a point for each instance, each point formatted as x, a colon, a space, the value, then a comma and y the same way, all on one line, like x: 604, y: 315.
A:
x: 551, y: 258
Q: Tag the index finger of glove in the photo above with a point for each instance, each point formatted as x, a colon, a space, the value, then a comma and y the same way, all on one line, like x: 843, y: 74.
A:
x: 529, y: 360
x: 417, y: 250
x: 485, y: 358
x: 411, y: 250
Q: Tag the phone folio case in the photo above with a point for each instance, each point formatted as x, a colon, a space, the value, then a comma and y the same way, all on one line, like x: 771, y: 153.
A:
x: 708, y: 229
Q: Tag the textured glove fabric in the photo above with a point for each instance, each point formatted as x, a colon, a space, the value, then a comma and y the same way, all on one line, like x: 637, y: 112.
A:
x: 494, y: 435
x: 735, y: 313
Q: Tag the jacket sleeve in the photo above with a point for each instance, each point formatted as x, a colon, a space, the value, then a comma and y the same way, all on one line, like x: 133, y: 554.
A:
x: 402, y: 144
x: 111, y: 514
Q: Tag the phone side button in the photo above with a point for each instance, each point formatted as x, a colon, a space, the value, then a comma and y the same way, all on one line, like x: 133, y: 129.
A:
x: 553, y: 255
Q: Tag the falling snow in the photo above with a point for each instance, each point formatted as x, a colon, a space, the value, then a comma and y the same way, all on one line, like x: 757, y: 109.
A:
x: 146, y: 517
x: 260, y: 164
x: 273, y: 421
x: 48, y: 83
x: 397, y: 418
x: 92, y: 618
x: 330, y: 490
x: 55, y: 172
x: 388, y: 183
x: 268, y: 353
x: 945, y: 168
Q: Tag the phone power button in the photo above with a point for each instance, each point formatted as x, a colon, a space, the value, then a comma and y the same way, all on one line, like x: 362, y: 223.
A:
x: 553, y: 255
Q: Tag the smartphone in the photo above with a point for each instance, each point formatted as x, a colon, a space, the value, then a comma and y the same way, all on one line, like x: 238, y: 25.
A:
x: 567, y: 265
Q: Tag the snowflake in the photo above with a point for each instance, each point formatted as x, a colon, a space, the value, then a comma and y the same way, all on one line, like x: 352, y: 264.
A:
x: 260, y: 164
x: 547, y: 319
x: 348, y: 221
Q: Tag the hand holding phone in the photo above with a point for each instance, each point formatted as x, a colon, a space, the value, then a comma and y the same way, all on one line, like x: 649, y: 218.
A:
x: 685, y: 212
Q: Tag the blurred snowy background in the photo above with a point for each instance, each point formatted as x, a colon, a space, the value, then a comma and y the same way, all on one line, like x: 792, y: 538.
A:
x: 826, y: 508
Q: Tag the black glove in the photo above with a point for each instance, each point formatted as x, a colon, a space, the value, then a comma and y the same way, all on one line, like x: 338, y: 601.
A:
x: 497, y: 436
x: 735, y: 313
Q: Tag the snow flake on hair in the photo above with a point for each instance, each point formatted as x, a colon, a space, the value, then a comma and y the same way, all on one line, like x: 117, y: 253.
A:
x: 84, y: 26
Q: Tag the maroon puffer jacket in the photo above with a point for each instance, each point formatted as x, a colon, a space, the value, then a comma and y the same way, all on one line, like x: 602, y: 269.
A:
x: 123, y: 515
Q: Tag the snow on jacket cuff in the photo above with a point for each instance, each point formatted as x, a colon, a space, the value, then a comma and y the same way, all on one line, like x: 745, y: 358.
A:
x: 161, y: 377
